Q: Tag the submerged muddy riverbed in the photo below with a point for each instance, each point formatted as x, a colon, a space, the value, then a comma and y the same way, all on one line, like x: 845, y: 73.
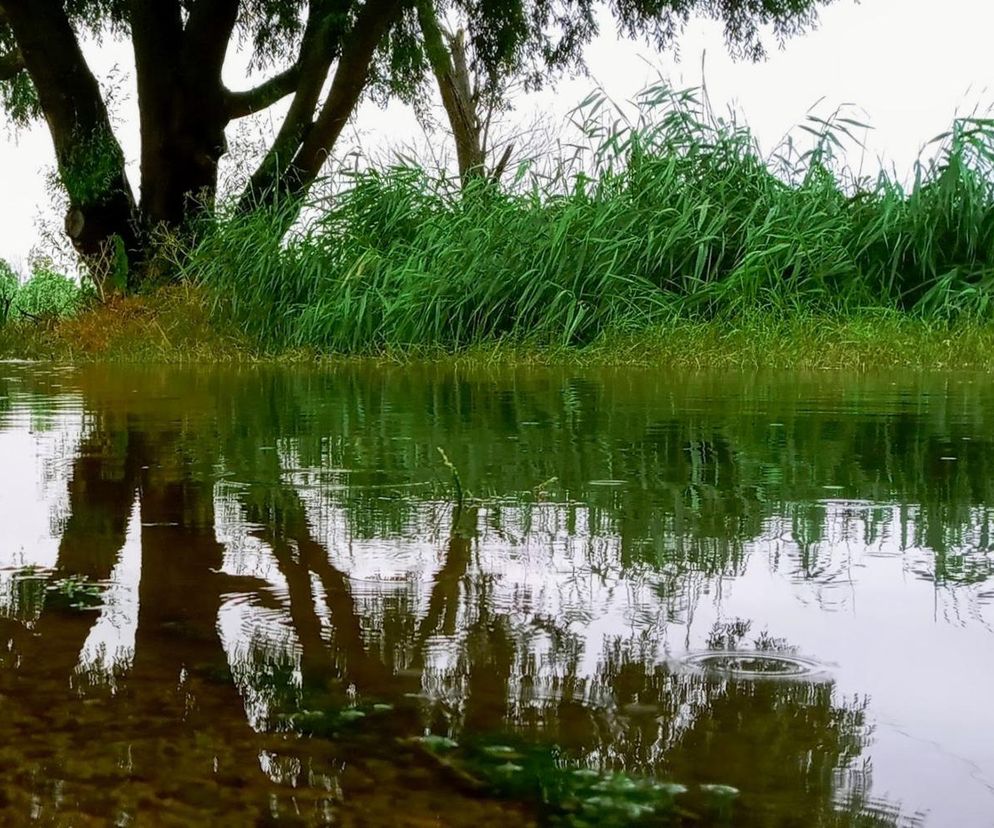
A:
x: 434, y: 596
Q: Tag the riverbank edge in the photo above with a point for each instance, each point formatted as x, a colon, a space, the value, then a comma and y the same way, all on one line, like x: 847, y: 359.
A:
x: 176, y: 326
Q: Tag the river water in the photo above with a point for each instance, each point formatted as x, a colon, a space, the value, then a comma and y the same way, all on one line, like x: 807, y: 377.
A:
x: 432, y: 596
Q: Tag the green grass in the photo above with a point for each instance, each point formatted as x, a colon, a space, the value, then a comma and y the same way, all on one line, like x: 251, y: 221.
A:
x: 46, y: 294
x: 665, y: 237
x: 164, y: 329
x: 675, y: 223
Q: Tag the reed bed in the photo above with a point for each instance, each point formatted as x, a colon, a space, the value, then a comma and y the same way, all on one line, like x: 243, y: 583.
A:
x: 666, y: 217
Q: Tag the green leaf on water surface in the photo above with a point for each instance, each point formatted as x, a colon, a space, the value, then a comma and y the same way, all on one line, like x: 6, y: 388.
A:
x: 437, y: 743
x: 721, y: 791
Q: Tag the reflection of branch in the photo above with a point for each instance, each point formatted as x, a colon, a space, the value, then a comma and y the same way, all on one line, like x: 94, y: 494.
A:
x: 443, y: 602
x: 315, y: 660
x: 365, y: 670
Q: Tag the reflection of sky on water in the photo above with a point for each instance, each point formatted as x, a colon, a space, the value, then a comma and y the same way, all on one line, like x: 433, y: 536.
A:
x: 35, y: 461
x: 110, y: 647
x: 857, y: 600
x: 861, y: 598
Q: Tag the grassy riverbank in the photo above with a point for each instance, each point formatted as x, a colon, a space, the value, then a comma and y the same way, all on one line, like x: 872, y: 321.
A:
x: 675, y: 215
x: 667, y: 238
x: 176, y: 325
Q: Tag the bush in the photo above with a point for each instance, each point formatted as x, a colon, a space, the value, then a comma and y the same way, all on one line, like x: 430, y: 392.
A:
x: 47, y: 294
x: 677, y: 216
x: 9, y: 284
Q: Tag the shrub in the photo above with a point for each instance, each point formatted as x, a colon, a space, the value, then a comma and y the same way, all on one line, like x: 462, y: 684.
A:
x: 9, y: 284
x: 675, y: 214
x: 47, y: 294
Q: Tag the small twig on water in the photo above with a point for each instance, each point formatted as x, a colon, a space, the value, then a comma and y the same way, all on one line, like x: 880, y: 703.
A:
x: 456, y: 482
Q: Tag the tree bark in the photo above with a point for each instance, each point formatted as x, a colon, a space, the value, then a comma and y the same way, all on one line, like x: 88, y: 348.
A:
x: 184, y: 108
x: 183, y: 105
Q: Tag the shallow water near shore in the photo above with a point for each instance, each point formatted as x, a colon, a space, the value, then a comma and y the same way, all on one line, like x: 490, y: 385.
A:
x: 445, y: 596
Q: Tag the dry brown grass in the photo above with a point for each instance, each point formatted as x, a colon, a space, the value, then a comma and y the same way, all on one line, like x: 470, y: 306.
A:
x: 172, y: 324
x: 176, y: 324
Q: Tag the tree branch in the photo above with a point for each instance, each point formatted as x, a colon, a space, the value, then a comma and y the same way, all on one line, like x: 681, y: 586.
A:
x: 11, y: 64
x: 320, y: 46
x: 250, y: 101
x: 351, y: 76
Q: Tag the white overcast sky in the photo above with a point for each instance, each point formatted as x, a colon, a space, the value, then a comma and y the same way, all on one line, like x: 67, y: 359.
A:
x: 909, y: 65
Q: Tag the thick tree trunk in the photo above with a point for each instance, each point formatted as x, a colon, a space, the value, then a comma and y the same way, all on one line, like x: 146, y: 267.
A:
x: 182, y: 106
x: 90, y: 160
x: 184, y: 109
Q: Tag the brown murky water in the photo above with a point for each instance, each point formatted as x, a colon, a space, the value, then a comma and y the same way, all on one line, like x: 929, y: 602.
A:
x: 257, y: 597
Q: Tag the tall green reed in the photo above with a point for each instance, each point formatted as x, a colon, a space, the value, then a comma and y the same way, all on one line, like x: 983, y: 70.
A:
x: 672, y: 212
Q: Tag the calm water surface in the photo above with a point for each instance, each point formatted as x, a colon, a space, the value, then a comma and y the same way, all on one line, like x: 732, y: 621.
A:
x: 256, y: 597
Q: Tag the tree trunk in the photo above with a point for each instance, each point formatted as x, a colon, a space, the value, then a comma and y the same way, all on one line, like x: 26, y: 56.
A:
x: 182, y: 107
x: 321, y: 41
x: 90, y: 160
x: 451, y: 71
x: 290, y: 183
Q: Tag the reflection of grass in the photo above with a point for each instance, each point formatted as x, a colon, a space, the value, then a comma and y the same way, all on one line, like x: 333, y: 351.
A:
x: 27, y: 592
x: 727, y: 635
x: 767, y: 643
x: 571, y: 795
x: 330, y: 722
x: 33, y: 589
x: 567, y: 793
x: 73, y: 593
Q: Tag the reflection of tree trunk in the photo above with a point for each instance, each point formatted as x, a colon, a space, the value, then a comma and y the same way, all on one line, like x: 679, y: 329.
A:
x: 363, y: 667
x: 101, y: 498
x: 47, y: 656
x: 443, y: 603
x: 490, y: 661
x: 315, y: 660
x: 355, y: 663
x: 178, y: 650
